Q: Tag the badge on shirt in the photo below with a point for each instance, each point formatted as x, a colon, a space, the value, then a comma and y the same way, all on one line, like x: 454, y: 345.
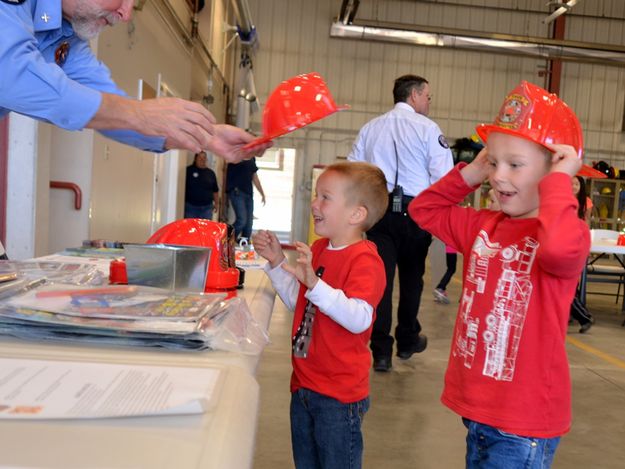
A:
x: 13, y: 2
x: 443, y: 143
x: 61, y: 53
x: 195, y: 175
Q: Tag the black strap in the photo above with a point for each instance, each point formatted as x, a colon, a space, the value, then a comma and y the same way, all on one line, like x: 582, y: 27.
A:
x: 397, y: 161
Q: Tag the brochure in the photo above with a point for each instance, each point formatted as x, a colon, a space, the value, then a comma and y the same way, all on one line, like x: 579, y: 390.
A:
x: 42, y: 389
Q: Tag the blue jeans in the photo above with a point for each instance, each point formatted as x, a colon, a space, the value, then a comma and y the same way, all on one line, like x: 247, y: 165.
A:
x: 325, y: 433
x: 489, y: 448
x: 198, y: 211
x: 243, y: 206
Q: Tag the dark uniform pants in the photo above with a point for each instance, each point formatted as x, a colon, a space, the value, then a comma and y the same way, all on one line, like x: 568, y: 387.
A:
x: 402, y: 244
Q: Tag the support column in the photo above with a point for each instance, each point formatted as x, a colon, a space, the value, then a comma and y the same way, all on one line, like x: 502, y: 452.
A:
x: 21, y: 187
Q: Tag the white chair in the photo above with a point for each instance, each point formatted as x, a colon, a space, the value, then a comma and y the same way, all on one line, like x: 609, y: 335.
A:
x: 604, y: 272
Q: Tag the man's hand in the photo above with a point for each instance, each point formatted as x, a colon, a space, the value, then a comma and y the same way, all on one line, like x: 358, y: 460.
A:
x: 228, y: 142
x: 477, y: 171
x: 564, y: 159
x: 303, y: 270
x: 184, y: 124
x: 267, y: 245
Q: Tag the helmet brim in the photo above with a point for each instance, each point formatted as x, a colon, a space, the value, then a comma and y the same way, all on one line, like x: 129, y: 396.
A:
x: 484, y: 130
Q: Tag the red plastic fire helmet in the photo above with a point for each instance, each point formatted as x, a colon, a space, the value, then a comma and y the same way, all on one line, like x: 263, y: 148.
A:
x: 533, y: 113
x: 295, y: 103
x: 222, y: 273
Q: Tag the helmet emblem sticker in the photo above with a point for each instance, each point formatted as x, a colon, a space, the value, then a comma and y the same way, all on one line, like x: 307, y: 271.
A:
x: 513, y: 111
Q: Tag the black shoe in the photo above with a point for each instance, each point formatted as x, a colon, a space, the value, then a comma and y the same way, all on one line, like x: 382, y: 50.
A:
x: 585, y: 327
x: 419, y: 346
x: 382, y: 364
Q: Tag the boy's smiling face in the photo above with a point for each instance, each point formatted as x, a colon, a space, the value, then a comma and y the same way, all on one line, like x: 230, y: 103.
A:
x: 332, y: 211
x: 517, y: 166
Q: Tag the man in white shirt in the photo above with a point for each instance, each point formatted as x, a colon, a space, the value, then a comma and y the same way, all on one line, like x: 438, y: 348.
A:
x: 412, y: 152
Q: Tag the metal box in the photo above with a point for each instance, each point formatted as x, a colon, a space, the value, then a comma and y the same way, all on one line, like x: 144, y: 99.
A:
x: 177, y: 268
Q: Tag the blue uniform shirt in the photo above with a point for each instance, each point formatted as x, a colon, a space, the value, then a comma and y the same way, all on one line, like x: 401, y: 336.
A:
x: 31, y: 83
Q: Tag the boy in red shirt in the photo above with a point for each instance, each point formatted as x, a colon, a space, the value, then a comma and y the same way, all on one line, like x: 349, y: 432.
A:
x: 508, y: 374
x: 333, y: 289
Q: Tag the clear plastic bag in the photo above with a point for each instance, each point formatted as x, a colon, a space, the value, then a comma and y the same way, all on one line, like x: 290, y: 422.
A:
x: 233, y: 328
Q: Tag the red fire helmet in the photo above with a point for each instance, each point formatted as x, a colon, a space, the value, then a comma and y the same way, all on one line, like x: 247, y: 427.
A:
x: 295, y: 103
x: 533, y: 113
x: 222, y: 273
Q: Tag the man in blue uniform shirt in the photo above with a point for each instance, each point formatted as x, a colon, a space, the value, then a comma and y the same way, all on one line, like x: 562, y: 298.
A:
x: 48, y: 72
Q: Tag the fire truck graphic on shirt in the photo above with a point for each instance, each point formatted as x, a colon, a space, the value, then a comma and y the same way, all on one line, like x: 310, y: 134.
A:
x: 499, y: 331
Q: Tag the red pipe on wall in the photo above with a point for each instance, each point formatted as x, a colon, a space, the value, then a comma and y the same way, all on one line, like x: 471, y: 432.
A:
x: 72, y: 187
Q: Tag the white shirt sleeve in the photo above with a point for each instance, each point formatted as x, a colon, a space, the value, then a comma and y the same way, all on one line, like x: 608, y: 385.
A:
x: 440, y: 158
x: 286, y: 285
x: 358, y: 148
x: 353, y: 314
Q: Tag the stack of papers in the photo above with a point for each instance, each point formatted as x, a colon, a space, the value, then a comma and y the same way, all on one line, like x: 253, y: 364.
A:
x: 59, y: 299
x: 122, y: 315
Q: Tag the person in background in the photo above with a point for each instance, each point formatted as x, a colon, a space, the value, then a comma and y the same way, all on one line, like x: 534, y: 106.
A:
x: 451, y: 259
x: 584, y: 202
x: 333, y: 290
x: 412, y: 152
x: 49, y: 73
x: 240, y: 180
x: 508, y: 372
x: 579, y: 312
x: 201, y: 190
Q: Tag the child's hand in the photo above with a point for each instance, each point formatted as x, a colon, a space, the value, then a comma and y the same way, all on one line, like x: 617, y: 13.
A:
x: 303, y: 270
x: 477, y: 171
x: 564, y: 159
x: 267, y: 245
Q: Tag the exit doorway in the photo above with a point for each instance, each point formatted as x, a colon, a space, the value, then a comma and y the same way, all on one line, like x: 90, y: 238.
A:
x: 276, y: 170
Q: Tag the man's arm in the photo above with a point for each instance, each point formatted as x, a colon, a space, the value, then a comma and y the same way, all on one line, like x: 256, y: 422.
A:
x: 175, y: 122
x: 358, y: 148
x: 184, y: 124
x: 259, y: 187
x: 82, y: 94
x: 440, y: 158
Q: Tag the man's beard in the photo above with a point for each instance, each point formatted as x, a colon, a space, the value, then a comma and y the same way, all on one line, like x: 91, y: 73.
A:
x: 86, y: 25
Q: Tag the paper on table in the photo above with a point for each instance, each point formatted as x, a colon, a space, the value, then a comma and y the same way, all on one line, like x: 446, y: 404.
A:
x: 41, y: 389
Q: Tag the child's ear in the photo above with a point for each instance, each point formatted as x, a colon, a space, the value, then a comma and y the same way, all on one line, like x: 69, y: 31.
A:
x: 359, y: 215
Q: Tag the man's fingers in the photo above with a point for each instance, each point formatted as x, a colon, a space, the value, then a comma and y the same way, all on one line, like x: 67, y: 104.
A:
x: 188, y: 137
x: 196, y: 134
x: 256, y: 151
x: 204, y: 114
x: 200, y: 116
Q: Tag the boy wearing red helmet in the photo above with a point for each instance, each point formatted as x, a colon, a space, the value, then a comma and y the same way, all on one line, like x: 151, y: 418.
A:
x: 508, y: 374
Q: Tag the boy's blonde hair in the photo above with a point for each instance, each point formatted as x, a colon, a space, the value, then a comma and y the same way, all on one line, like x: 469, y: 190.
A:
x: 366, y: 187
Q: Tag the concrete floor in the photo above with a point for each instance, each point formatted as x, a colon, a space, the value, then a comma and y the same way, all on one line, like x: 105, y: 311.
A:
x: 408, y: 427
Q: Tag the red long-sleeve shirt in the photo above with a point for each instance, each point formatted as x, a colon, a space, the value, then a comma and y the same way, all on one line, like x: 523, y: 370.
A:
x: 508, y: 366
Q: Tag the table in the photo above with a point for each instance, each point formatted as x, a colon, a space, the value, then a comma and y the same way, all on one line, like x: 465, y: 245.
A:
x: 601, y: 247
x: 222, y: 438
